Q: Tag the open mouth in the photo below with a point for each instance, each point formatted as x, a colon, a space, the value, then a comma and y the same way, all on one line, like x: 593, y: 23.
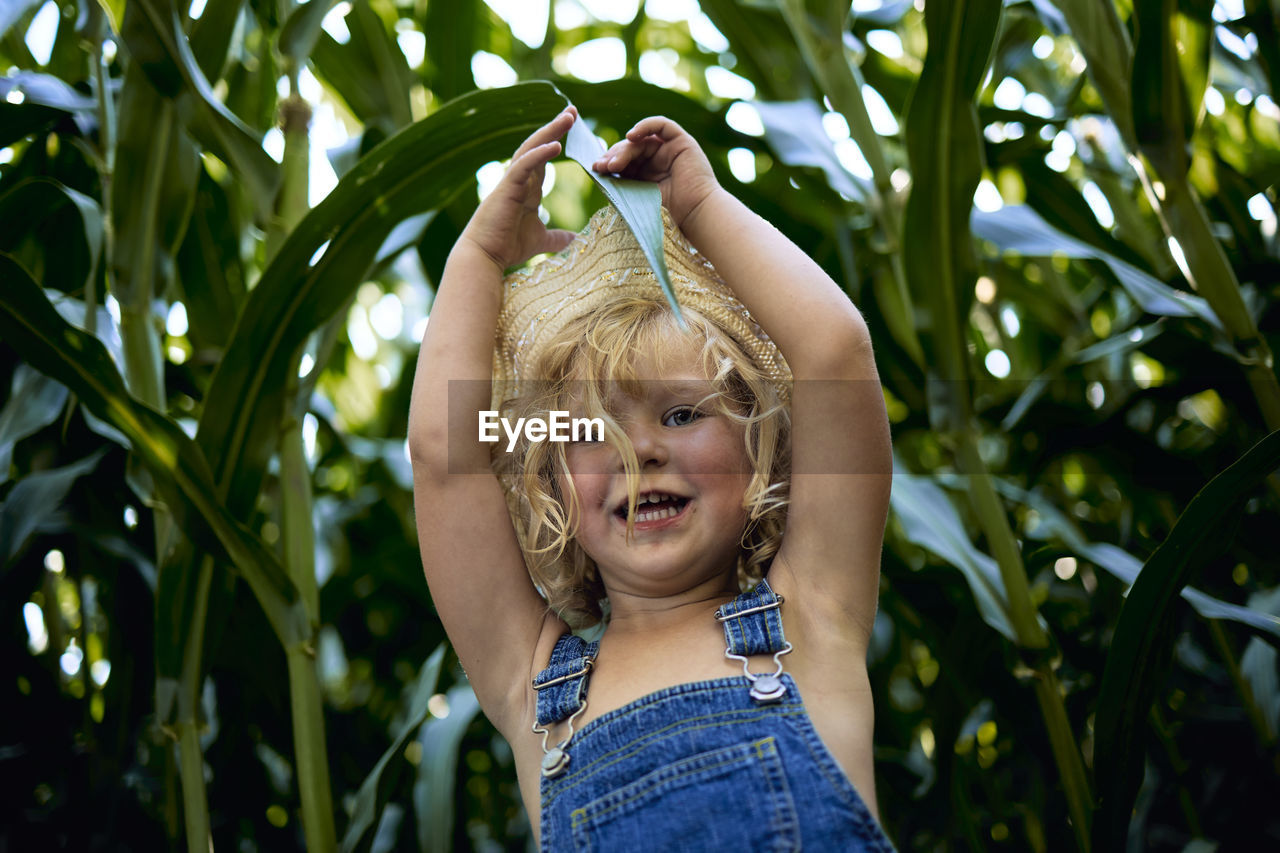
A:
x: 653, y: 506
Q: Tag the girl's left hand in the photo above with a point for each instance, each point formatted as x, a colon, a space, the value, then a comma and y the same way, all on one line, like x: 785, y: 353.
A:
x: 659, y: 150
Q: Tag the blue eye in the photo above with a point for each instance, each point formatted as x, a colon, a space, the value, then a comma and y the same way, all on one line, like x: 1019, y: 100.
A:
x: 682, y: 416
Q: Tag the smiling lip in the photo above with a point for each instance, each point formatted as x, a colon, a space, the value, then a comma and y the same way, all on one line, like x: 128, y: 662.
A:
x: 650, y: 516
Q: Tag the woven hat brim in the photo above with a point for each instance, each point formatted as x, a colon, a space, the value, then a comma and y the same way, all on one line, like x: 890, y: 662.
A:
x: 603, y: 263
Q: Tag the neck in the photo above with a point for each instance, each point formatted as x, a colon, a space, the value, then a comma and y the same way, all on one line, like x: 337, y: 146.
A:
x: 631, y: 613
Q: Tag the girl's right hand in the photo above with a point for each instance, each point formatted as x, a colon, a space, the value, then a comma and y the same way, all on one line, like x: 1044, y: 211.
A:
x: 506, y: 227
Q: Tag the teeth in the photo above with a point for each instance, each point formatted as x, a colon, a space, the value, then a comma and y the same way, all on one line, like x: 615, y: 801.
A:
x: 657, y: 514
x: 647, y: 498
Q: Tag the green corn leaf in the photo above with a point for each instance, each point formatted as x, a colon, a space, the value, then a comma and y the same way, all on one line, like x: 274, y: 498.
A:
x: 210, y: 272
x: 153, y: 31
x: 46, y: 90
x: 433, y: 792
x: 34, y: 402
x: 928, y: 519
x: 211, y: 35
x: 1054, y: 524
x: 945, y: 148
x: 794, y: 130
x: 1020, y: 229
x: 1108, y: 52
x: 302, y: 28
x: 452, y: 31
x: 33, y: 500
x: 1139, y: 655
x: 13, y: 11
x: 370, y: 71
x: 328, y: 255
x: 31, y: 325
x: 377, y: 786
x: 639, y: 202
x: 31, y: 203
x: 1170, y: 74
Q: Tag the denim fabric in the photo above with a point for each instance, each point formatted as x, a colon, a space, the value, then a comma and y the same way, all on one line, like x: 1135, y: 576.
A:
x: 562, y: 686
x: 758, y: 632
x: 701, y: 766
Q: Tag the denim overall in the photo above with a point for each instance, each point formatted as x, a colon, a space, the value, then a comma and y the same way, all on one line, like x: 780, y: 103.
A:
x: 726, y: 764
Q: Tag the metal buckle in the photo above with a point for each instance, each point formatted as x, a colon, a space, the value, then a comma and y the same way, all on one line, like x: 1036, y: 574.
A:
x: 765, y: 686
x: 556, y: 759
x: 720, y: 617
x: 587, y: 664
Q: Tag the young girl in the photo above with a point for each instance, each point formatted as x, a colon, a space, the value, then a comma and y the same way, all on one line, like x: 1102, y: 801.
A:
x: 683, y: 727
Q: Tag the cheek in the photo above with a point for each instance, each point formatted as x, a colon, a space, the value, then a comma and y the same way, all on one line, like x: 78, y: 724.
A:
x: 591, y: 488
x: 721, y: 451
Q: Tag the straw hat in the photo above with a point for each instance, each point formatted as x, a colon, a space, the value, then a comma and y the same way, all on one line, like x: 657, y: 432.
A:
x: 604, y: 261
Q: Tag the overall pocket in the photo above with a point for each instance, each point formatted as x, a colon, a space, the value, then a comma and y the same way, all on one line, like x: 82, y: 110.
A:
x: 733, y: 798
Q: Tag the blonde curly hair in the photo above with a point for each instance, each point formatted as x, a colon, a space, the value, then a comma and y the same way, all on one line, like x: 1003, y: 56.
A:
x: 588, y: 359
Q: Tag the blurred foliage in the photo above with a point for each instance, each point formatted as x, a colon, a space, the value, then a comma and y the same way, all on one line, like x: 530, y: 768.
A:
x: 1070, y: 355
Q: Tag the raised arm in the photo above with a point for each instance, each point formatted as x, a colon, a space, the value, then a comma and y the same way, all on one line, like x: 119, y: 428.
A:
x: 474, y: 567
x: 841, y: 458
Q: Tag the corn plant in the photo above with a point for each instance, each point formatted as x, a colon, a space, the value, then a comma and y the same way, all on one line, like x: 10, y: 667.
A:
x: 1058, y: 216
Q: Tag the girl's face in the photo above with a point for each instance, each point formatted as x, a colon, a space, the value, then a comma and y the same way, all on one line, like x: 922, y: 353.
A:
x: 694, y: 472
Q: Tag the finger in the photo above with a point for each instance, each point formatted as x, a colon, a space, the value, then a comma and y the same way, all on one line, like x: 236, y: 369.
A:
x: 535, y: 158
x: 557, y: 240
x: 553, y: 129
x: 527, y: 170
x: 660, y: 126
x: 619, y: 156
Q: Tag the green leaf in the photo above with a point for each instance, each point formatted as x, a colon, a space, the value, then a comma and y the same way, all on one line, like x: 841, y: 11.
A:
x: 115, y: 12
x: 210, y: 271
x: 945, y: 149
x: 46, y: 90
x: 1119, y: 563
x: 378, y: 785
x: 794, y: 131
x: 12, y: 12
x: 31, y: 325
x: 33, y: 500
x: 1159, y: 100
x: 1139, y: 655
x: 302, y: 28
x: 1104, y: 41
x: 156, y: 168
x: 1018, y: 228
x: 1258, y: 664
x: 370, y: 71
x: 32, y: 202
x: 417, y: 170
x: 433, y: 792
x: 34, y: 402
x: 929, y: 520
x: 639, y: 202
x: 211, y: 35
x: 154, y: 34
x: 452, y: 31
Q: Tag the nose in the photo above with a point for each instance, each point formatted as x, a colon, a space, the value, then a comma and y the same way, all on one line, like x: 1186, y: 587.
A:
x: 649, y: 443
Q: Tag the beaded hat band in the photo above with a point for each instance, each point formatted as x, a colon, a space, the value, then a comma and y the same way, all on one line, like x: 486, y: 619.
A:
x: 605, y: 262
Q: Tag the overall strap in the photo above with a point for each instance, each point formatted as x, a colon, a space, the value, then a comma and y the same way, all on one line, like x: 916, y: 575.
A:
x: 562, y: 686
x: 753, y: 623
